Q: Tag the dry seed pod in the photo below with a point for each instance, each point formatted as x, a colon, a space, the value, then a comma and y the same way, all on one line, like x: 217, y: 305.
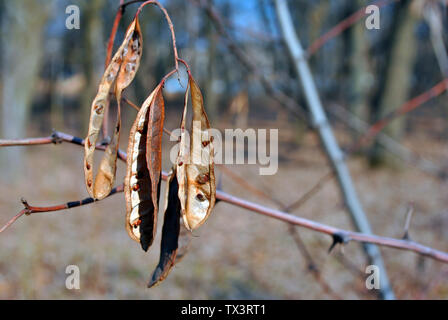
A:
x: 170, y: 233
x: 154, y: 143
x: 130, y: 56
x: 195, y: 165
x: 116, y: 70
x: 141, y: 214
x: 183, y: 159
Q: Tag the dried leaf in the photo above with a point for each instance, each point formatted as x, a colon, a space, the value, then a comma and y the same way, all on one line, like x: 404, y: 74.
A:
x: 141, y: 210
x: 197, y: 189
x: 129, y: 52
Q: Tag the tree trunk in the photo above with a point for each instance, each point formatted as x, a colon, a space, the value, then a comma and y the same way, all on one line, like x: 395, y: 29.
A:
x: 94, y: 53
x: 22, y: 43
x: 329, y: 143
x: 393, y: 91
x: 359, y: 69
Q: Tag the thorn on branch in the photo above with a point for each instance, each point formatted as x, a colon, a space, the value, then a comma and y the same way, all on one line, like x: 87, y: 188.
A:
x: 313, y: 268
x: 105, y: 141
x: 55, y: 138
x: 338, y: 238
x: 27, y: 209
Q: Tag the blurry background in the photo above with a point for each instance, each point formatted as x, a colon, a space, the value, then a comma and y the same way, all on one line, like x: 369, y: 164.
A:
x: 49, y: 76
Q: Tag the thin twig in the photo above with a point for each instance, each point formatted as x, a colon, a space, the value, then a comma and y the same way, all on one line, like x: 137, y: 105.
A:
x: 113, y: 33
x: 393, y: 146
x: 249, y: 63
x: 311, y: 192
x: 341, y: 27
x: 28, y: 210
x: 170, y: 25
x: 133, y: 105
x: 408, y: 106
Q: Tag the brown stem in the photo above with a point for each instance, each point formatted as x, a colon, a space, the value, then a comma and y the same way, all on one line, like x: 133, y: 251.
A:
x: 28, y: 210
x: 311, y: 192
x: 110, y: 45
x: 408, y: 106
x: 341, y: 26
x: 170, y: 25
x: 339, y: 235
x: 133, y: 105
x: 113, y: 33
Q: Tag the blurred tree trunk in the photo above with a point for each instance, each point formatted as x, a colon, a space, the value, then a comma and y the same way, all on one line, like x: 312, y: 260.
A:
x: 359, y: 68
x: 393, y: 91
x: 94, y: 55
x: 329, y: 143
x: 22, y: 43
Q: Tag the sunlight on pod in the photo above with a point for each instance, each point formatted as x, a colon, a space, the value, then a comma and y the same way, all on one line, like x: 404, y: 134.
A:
x: 195, y: 163
x: 118, y: 72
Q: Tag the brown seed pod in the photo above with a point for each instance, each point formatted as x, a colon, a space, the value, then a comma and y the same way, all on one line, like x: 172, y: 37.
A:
x: 197, y: 191
x: 154, y: 143
x: 175, y: 238
x: 141, y: 206
x: 117, y: 72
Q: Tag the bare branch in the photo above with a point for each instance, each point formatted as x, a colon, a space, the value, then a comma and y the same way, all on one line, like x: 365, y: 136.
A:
x: 248, y: 62
x: 28, y: 210
x: 341, y: 27
x: 311, y: 192
x: 408, y: 106
x: 347, y: 235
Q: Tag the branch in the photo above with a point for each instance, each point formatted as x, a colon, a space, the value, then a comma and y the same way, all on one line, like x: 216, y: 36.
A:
x: 168, y: 19
x: 341, y: 27
x: 311, y: 192
x: 328, y: 141
x: 28, y: 210
x: 394, y: 147
x: 408, y: 106
x: 341, y: 235
x: 310, y: 263
x: 291, y: 105
x: 110, y: 42
x: 248, y: 62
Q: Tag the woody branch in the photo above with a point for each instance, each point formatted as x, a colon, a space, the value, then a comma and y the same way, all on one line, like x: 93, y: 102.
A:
x: 340, y: 236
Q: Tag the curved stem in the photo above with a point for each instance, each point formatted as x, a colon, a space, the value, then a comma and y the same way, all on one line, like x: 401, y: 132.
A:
x: 170, y: 25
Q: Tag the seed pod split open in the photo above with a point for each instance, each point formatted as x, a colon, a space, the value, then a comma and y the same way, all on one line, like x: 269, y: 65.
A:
x: 120, y: 71
x: 195, y: 164
x: 140, y: 192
